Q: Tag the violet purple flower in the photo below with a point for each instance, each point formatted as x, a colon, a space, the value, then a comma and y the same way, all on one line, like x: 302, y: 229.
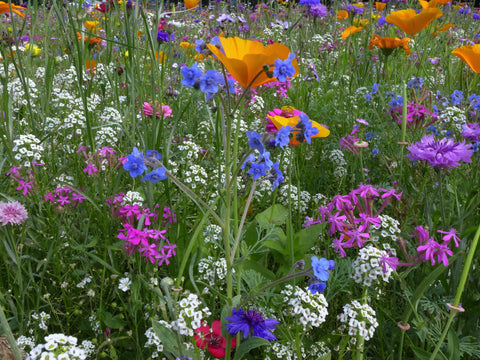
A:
x: 251, y: 322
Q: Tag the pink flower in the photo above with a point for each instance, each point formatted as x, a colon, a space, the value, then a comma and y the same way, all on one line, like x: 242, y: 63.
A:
x: 25, y: 186
x: 12, y: 213
x: 164, y: 110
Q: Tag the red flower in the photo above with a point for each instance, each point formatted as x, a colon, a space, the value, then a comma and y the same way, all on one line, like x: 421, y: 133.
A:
x: 213, y: 339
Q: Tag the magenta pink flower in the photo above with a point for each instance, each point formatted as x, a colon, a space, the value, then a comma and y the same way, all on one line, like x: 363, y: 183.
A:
x: 12, y: 213
x: 161, y: 110
x: 25, y: 186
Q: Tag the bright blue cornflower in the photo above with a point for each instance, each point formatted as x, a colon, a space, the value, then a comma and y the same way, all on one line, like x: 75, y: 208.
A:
x: 457, y: 97
x: 321, y: 268
x: 255, y: 141
x: 209, y: 82
x: 375, y: 88
x: 257, y: 170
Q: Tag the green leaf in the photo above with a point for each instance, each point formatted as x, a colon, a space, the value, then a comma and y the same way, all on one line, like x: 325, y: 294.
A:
x: 275, y: 214
x: 248, y: 345
x: 169, y: 339
x: 305, y: 238
x: 453, y: 348
x: 113, y: 322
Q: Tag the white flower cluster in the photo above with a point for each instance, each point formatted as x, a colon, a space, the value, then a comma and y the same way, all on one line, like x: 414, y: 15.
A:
x: 299, y: 199
x: 213, y: 272
x: 26, y: 149
x: 212, y: 234
x: 337, y: 157
x: 453, y: 116
x: 189, y: 315
x: 86, y: 280
x: 195, y: 176
x: 153, y: 341
x: 257, y: 106
x: 367, y: 269
x: 288, y: 351
x: 25, y: 342
x: 388, y: 229
x: 133, y: 198
x: 191, y: 151
x: 360, y: 319
x: 106, y: 136
x: 309, y: 309
x: 110, y: 115
x: 320, y: 199
x: 18, y: 95
x: 275, y: 32
x: 95, y: 324
x: 61, y: 347
x: 41, y: 320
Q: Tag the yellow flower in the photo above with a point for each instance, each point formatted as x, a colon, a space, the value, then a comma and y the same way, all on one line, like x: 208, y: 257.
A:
x: 247, y: 60
x: 34, y: 49
x: 350, y: 30
x: 361, y: 22
x: 91, y: 25
x: 190, y: 4
x: 388, y: 44
x: 280, y: 121
x: 5, y: 8
x: 471, y: 55
x: 411, y: 22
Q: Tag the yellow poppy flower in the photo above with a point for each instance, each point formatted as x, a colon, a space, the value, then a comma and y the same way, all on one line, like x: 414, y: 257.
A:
x: 388, y: 44
x: 280, y: 121
x: 380, y: 5
x: 428, y: 4
x: 361, y: 22
x: 34, y: 49
x: 471, y: 55
x: 350, y: 30
x: 91, y: 25
x: 342, y: 14
x: 190, y: 4
x: 246, y: 60
x: 411, y: 22
x: 5, y: 8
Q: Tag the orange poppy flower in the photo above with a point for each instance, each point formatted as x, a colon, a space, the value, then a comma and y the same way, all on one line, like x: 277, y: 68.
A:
x: 190, y: 4
x: 350, y: 30
x: 246, y: 60
x: 380, y: 5
x: 443, y: 2
x: 90, y: 41
x: 5, y: 8
x: 428, y: 4
x: 280, y: 121
x: 91, y: 65
x: 471, y: 55
x: 342, y: 14
x: 411, y: 22
x: 388, y: 44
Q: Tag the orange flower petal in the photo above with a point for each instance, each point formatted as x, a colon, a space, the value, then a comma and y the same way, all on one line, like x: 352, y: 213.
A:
x: 5, y: 8
x: 350, y: 30
x: 411, y: 22
x: 190, y: 4
x: 380, y: 5
x: 471, y: 55
x: 342, y: 14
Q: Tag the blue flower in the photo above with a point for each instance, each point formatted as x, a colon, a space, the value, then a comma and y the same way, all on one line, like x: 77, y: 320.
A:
x: 321, y: 268
x: 457, y: 97
x: 282, y: 139
x: 155, y: 154
x: 308, y: 129
x: 368, y: 97
x: 255, y: 141
x: 209, y: 82
x: 277, y: 176
x: 156, y: 175
x: 200, y: 45
x: 317, y: 287
x: 257, y: 170
x: 309, y: 2
x: 134, y: 163
x: 163, y: 36
x: 248, y: 161
x: 251, y: 322
x: 284, y: 68
x: 190, y: 75
x: 375, y: 152
x: 375, y: 88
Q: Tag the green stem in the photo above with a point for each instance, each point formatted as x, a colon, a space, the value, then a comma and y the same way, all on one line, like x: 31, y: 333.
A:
x: 460, y: 288
x: 8, y: 331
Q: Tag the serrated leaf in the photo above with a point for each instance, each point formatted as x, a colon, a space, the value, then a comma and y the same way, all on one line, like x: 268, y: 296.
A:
x: 275, y: 214
x: 248, y: 345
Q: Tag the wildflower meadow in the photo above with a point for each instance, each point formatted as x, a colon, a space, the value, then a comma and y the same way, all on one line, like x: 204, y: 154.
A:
x: 224, y: 179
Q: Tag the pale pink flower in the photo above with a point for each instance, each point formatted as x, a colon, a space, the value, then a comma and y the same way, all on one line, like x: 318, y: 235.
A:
x: 12, y: 213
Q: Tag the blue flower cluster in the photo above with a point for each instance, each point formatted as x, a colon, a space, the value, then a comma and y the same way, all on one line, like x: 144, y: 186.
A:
x: 209, y: 82
x: 321, y: 268
x: 135, y: 164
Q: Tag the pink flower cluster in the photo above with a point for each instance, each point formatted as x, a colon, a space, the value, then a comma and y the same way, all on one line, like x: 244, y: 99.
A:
x: 150, y: 243
x: 417, y: 115
x: 27, y: 181
x: 12, y: 213
x: 63, y: 196
x: 101, y: 158
x: 352, y: 215
x: 350, y: 142
x: 160, y: 110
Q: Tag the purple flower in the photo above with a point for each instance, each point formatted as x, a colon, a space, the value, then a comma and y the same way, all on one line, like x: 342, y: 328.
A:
x: 12, y: 213
x: 451, y: 234
x: 429, y: 250
x: 319, y: 10
x: 251, y: 322
x: 443, y: 153
x: 471, y: 131
x: 134, y: 163
x: 309, y: 2
x: 391, y: 261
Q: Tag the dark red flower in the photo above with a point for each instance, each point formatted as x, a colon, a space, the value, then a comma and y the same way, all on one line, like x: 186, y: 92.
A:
x: 213, y: 339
